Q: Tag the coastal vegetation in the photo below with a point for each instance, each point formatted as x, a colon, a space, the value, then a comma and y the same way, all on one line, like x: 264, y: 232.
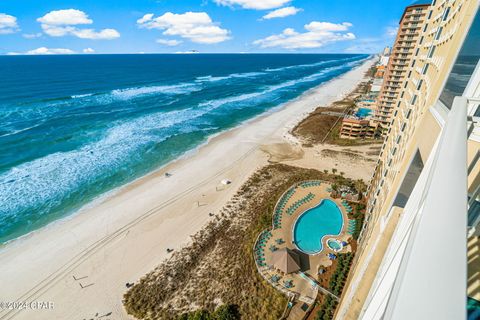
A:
x: 323, y: 124
x: 217, y: 267
x: 327, y: 304
x: 224, y: 312
x: 337, y: 281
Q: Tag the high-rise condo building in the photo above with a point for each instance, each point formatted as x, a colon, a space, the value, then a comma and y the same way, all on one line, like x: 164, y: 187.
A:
x: 423, y: 201
x: 402, y: 53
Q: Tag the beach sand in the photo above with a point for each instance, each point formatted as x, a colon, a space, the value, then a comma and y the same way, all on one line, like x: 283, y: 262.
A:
x: 83, y: 262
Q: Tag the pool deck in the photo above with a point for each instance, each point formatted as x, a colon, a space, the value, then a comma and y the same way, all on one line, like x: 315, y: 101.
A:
x: 310, y: 264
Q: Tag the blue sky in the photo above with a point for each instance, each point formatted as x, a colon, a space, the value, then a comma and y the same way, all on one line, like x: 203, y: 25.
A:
x: 151, y: 26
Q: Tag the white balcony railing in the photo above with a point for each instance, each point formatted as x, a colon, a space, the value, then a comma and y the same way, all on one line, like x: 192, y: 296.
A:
x: 423, y: 273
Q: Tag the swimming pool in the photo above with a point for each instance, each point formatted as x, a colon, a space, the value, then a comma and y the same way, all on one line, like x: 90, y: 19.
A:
x: 363, y: 112
x: 334, y: 244
x: 316, y: 223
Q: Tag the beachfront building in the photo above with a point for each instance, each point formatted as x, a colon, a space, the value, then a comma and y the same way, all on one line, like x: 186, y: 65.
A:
x: 384, y: 57
x: 423, y: 200
x: 380, y: 72
x: 361, y: 124
x: 400, y: 60
x: 386, y: 51
x: 358, y: 128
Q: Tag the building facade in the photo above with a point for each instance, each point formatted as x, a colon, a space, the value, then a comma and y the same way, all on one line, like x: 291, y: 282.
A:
x: 412, y: 258
x: 402, y: 53
x: 355, y: 128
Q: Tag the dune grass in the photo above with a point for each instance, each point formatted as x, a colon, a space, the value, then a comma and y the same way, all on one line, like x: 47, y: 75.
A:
x: 217, y: 268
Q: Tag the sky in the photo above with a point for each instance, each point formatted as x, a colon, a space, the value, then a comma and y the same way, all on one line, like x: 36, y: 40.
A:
x: 207, y: 26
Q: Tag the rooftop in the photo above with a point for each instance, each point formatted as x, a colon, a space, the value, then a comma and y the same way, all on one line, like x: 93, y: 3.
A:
x: 421, y: 3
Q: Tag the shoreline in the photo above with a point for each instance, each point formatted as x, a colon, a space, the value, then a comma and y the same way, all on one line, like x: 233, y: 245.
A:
x: 101, y: 198
x: 122, y: 236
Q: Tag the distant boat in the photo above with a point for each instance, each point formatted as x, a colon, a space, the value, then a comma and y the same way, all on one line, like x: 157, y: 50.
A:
x: 188, y: 52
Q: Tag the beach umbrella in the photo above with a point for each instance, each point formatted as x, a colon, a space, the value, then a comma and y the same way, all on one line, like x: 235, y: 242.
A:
x: 286, y: 260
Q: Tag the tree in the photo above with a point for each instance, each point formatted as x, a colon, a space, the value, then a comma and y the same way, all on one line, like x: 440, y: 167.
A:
x: 334, y: 170
x: 200, y: 315
x: 226, y: 312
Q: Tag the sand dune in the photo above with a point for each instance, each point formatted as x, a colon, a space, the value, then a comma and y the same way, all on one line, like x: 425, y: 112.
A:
x: 82, y: 263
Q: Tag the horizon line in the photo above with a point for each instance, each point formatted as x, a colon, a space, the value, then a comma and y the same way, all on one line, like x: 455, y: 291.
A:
x: 178, y: 53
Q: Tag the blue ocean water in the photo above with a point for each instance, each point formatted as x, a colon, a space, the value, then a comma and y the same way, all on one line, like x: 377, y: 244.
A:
x: 75, y: 127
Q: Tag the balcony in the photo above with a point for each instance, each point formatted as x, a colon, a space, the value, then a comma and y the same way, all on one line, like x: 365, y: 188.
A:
x: 417, y: 279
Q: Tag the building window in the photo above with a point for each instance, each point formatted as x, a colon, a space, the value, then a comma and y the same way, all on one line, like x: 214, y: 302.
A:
x: 409, y: 112
x: 416, y: 54
x: 425, y: 27
x: 409, y: 182
x: 425, y: 68
x: 419, y: 86
x: 464, y: 66
x: 421, y: 40
x: 439, y: 33
x: 431, y: 51
x: 445, y: 13
x: 414, y: 98
x: 409, y: 74
x: 399, y: 138
x: 431, y: 11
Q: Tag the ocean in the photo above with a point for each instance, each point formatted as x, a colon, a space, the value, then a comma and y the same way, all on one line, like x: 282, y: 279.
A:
x: 75, y: 127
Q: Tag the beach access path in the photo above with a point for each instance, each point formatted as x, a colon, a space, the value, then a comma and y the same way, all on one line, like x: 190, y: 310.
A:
x: 79, y: 266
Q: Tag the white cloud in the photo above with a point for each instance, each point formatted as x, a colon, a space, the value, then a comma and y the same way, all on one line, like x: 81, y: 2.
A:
x: 8, y: 24
x: 317, y: 35
x: 88, y: 50
x: 32, y: 35
x: 367, y: 45
x: 282, y: 12
x: 169, y: 42
x: 65, y: 17
x: 105, y: 34
x: 145, y: 18
x: 197, y: 27
x: 254, y: 4
x: 391, y: 32
x: 60, y: 23
x: 44, y: 50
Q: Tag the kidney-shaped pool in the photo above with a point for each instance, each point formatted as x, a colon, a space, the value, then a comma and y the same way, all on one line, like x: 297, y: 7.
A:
x: 311, y: 226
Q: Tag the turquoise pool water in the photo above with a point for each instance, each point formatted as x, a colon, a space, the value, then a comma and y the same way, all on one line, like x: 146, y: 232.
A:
x: 315, y: 223
x: 334, y: 244
x: 363, y: 112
